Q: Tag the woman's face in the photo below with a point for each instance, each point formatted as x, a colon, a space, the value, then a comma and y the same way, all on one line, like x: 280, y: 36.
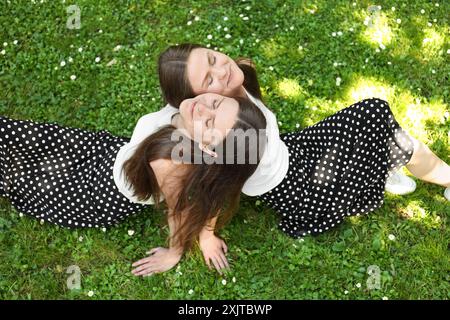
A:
x: 208, y: 117
x: 214, y: 72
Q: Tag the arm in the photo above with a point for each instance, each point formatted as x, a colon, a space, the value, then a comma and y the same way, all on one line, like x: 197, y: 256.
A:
x: 213, y: 248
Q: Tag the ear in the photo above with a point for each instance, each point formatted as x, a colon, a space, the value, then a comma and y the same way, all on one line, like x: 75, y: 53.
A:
x: 208, y: 151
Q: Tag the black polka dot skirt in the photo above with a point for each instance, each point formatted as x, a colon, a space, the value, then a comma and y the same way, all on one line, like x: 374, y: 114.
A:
x: 338, y: 168
x: 62, y: 175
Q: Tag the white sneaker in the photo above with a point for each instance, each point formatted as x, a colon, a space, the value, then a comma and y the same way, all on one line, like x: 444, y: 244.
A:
x: 400, y: 184
x: 447, y: 193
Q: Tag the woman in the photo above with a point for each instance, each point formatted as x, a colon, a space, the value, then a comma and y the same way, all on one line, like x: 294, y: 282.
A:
x: 315, y: 177
x: 67, y: 176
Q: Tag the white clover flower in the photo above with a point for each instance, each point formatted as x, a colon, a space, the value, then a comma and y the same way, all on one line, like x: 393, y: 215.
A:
x: 300, y: 47
x: 117, y: 48
x: 197, y: 18
x: 227, y: 36
x: 191, y: 11
x: 429, y: 24
x: 338, y: 81
x: 433, y: 71
x: 377, y: 50
x: 393, y: 8
x: 334, y: 34
x: 20, y: 214
x: 15, y: 42
x: 42, y: 221
x: 5, y: 44
x: 398, y: 21
x: 434, y: 20
x: 80, y: 238
x: 208, y: 45
x: 3, y: 52
x: 100, y: 31
x: 448, y: 51
x: 225, y: 29
x: 189, y: 23
x: 385, y: 298
x: 225, y: 18
x: 97, y: 59
x: 351, y: 29
x: 247, y: 8
x: 70, y: 59
x: 80, y: 49
x: 73, y: 77
x: 90, y: 293
x: 245, y: 18
x: 130, y: 232
x: 241, y: 15
x: 63, y: 63
x: 422, y: 11
x: 271, y: 68
x: 191, y: 291
x: 234, y: 279
x: 219, y: 27
x: 224, y: 282
x: 292, y: 28
x: 241, y: 41
x: 335, y: 64
x: 389, y: 63
x: 382, y: 46
x: 104, y: 229
x: 437, y: 4
x: 358, y: 285
x: 346, y: 292
x: 209, y: 36
x: 339, y: 33
x: 391, y: 237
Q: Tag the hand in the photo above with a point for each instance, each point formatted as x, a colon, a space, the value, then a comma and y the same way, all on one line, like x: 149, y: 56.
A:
x: 214, y: 249
x: 160, y: 260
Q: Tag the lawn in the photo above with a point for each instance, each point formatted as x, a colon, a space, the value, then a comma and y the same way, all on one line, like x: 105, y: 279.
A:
x: 313, y: 59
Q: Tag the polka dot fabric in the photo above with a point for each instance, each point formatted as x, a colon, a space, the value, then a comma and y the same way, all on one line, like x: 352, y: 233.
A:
x: 62, y: 175
x: 338, y: 168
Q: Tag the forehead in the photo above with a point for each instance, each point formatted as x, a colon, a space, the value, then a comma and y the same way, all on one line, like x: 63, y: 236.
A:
x: 197, y: 67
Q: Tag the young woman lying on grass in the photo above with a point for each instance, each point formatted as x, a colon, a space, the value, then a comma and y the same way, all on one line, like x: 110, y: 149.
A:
x: 68, y: 176
x: 315, y: 177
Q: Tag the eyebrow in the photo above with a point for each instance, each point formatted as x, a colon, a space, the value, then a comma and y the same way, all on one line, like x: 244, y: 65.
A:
x: 206, y: 76
x: 214, y: 120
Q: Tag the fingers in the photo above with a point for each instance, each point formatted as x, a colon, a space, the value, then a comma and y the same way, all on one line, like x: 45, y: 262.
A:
x: 152, y: 251
x: 224, y: 247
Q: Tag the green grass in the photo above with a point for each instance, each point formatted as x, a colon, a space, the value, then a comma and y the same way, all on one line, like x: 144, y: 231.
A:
x: 298, y: 60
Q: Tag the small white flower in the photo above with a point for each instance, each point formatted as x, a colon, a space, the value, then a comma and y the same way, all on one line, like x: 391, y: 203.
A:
x: 247, y: 8
x: 234, y: 279
x: 21, y: 214
x: 292, y: 28
x: 97, y: 59
x: 385, y: 298
x: 15, y: 42
x: 351, y: 29
x: 224, y: 282
x: 225, y: 18
x: 382, y: 46
x: 225, y: 29
x: 389, y: 63
x: 335, y: 64
x: 191, y: 291
x: 209, y: 36
x: 117, y: 48
x: 338, y: 81
x: 104, y: 229
x: 241, y: 15
x: 437, y: 4
x: 334, y: 34
x: 73, y: 77
x: 434, y: 20
x: 241, y: 41
x: 100, y: 31
x: 90, y: 293
x: 80, y: 238
x: 219, y: 27
x: 42, y: 221
x: 208, y: 45
x: 300, y: 47
x: 131, y: 66
x: 422, y: 11
x: 70, y: 59
x: 5, y: 44
x: 80, y: 49
x: 197, y: 18
x: 429, y: 24
x: 130, y: 232
x: 377, y: 50
x: 271, y: 68
x: 339, y: 33
x: 346, y: 292
x: 245, y: 18
x: 189, y: 23
x: 354, y: 4
x: 433, y: 71
x: 393, y: 8
x: 358, y: 285
x: 398, y: 21
x: 391, y: 237
x: 448, y: 51
x: 227, y: 36
x: 63, y: 63
x: 3, y: 52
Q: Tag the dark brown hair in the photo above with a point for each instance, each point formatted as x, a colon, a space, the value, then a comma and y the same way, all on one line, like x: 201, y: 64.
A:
x: 172, y: 69
x: 205, y: 190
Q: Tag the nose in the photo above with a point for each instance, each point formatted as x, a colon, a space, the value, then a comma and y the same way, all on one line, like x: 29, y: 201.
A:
x: 221, y: 72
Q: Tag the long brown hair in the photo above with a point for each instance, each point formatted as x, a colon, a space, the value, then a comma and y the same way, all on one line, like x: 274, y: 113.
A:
x: 206, y: 190
x: 173, y: 80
